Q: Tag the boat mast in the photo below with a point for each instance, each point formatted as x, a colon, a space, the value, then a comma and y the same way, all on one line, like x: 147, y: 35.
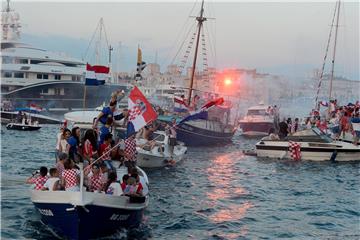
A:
x: 200, y: 20
x: 333, y: 59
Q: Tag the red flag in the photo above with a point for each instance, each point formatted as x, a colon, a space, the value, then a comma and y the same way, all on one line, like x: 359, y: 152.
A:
x: 215, y: 102
x: 140, y: 110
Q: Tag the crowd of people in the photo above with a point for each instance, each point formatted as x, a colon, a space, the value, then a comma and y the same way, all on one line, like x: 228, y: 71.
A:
x: 97, y: 150
x: 336, y: 120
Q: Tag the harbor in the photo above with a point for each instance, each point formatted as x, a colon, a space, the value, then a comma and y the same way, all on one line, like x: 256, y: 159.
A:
x: 198, y: 151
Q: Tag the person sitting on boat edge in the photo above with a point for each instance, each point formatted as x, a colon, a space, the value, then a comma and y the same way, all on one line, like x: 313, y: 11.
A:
x: 38, y: 179
x: 70, y: 177
x: 89, y: 146
x: 53, y: 183
x: 106, y: 112
x: 112, y: 186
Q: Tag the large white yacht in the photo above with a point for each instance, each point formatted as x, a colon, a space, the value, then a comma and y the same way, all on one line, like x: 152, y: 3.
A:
x: 31, y: 75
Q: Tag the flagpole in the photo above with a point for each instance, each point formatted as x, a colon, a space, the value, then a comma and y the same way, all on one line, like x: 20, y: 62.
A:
x: 84, y: 100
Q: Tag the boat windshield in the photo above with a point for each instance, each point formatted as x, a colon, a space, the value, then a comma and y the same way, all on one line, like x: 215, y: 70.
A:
x: 322, y: 135
x: 253, y: 112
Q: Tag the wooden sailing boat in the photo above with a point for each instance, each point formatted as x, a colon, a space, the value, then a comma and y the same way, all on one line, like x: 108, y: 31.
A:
x: 209, y: 127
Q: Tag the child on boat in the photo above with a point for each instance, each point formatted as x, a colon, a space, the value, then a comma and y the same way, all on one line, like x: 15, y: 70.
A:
x: 38, y: 178
x: 53, y: 183
x: 112, y: 186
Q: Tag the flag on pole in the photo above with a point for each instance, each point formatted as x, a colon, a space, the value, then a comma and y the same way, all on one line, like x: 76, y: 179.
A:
x: 180, y: 105
x: 215, y: 102
x: 140, y: 110
x: 36, y: 108
x: 96, y: 75
x: 140, y: 65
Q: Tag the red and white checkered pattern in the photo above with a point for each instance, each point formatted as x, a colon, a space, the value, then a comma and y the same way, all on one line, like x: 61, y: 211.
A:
x: 130, y: 149
x: 70, y: 177
x: 96, y: 183
x: 39, y: 182
x: 134, y: 112
x: 295, y: 150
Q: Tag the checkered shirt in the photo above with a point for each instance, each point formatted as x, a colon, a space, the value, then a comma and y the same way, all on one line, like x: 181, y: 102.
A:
x: 96, y: 182
x: 70, y: 177
x: 60, y: 168
x: 39, y: 182
x: 130, y: 149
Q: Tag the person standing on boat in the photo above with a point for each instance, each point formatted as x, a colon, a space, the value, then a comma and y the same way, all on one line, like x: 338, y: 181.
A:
x: 58, y: 141
x: 283, y: 129
x: 104, y: 130
x: 74, y: 142
x: 171, y: 130
x: 106, y: 112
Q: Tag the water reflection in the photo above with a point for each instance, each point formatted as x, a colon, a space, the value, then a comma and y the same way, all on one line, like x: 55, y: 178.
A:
x: 222, y: 175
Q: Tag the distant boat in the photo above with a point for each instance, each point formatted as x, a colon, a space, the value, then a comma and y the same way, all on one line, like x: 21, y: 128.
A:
x: 258, y: 121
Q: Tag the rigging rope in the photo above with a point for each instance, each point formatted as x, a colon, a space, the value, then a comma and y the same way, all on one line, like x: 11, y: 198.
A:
x: 325, y: 57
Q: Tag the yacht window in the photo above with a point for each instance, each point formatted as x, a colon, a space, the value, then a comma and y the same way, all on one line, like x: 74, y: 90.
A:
x: 21, y: 61
x: 256, y: 112
x: 18, y: 75
x: 39, y: 76
x: 7, y: 74
x: 57, y: 76
x: 6, y: 59
x: 45, y: 76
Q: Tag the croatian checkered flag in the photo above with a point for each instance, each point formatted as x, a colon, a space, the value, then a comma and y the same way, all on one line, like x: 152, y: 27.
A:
x: 295, y: 150
x: 140, y: 110
x: 140, y: 65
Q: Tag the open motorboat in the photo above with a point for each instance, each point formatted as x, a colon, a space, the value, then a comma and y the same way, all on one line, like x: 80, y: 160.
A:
x: 314, y: 146
x: 23, y: 127
x: 160, y: 154
x: 84, y: 215
x: 258, y: 121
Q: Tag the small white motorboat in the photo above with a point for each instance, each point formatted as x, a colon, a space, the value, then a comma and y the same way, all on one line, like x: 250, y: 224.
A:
x: 31, y: 126
x: 159, y: 155
x: 314, y: 146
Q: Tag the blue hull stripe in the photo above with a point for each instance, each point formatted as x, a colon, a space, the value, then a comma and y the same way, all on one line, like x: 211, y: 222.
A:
x: 89, y: 222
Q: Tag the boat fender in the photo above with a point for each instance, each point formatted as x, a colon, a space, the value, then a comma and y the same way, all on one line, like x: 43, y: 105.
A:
x: 333, y: 156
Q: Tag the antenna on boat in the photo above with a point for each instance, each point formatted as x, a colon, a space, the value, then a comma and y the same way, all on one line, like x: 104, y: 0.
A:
x: 200, y: 19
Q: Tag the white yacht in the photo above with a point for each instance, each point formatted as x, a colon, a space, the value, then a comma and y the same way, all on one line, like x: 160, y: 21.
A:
x: 31, y: 75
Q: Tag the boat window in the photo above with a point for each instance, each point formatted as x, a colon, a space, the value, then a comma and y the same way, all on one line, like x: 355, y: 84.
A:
x: 7, y: 60
x: 39, y: 76
x: 21, y: 61
x: 45, y: 76
x: 57, y: 77
x: 257, y: 112
x: 7, y: 74
x: 18, y: 75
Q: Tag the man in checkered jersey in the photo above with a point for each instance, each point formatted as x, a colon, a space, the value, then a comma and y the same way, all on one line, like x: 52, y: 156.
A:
x: 38, y: 179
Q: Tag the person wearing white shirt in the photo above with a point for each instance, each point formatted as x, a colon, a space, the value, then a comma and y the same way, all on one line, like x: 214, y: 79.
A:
x: 52, y: 184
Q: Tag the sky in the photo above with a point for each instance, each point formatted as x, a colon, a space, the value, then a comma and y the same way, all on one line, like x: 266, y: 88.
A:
x: 286, y: 38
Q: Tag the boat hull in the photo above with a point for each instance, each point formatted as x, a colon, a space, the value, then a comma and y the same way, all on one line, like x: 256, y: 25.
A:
x: 194, y: 136
x: 145, y: 160
x: 85, y: 215
x: 256, y: 128
x: 21, y: 127
x: 309, y: 153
